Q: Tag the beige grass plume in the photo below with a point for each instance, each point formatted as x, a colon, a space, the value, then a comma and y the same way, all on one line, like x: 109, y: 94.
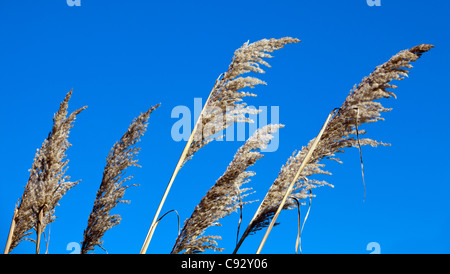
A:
x: 47, y: 182
x: 223, y: 107
x: 339, y: 133
x: 122, y: 156
x: 224, y: 197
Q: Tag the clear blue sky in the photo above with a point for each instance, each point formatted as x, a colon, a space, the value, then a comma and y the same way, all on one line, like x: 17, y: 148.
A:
x: 122, y: 57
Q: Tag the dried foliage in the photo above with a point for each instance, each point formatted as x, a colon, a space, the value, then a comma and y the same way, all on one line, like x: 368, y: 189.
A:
x: 47, y: 182
x: 122, y: 155
x: 223, y: 109
x: 224, y: 197
x: 358, y: 108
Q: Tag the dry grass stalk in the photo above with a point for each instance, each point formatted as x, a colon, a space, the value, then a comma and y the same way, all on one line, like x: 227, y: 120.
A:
x: 47, y: 182
x: 223, y: 107
x: 294, y: 180
x: 122, y: 155
x: 224, y: 197
x: 358, y: 108
x: 11, y: 232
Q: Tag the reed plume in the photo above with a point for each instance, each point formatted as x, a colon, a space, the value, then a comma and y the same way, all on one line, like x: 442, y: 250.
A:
x: 122, y: 156
x: 224, y: 197
x: 223, y: 108
x: 341, y: 132
x: 47, y: 182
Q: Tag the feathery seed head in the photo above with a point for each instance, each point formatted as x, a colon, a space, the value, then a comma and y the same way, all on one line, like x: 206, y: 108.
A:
x: 122, y: 155
x: 225, y: 196
x: 224, y: 108
x: 47, y: 182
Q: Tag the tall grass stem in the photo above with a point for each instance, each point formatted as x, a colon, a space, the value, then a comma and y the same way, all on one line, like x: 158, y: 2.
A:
x: 174, y: 175
x: 291, y: 186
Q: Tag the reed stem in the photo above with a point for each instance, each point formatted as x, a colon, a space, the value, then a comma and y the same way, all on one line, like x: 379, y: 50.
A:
x: 11, y: 232
x: 39, y: 229
x: 174, y: 175
x: 297, y: 175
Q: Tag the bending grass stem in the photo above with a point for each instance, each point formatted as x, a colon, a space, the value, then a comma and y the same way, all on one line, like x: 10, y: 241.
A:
x: 174, y: 175
x: 11, y: 232
x: 297, y: 175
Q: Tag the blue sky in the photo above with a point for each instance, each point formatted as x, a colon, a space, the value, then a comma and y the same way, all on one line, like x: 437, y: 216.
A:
x: 122, y: 57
